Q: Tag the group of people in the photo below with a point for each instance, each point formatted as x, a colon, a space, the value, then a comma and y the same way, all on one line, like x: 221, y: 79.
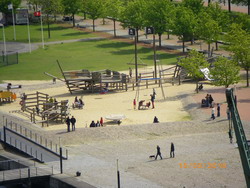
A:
x: 213, y: 111
x: 97, y: 124
x: 78, y: 103
x: 71, y: 121
x: 152, y: 99
x: 159, y: 151
x: 209, y: 100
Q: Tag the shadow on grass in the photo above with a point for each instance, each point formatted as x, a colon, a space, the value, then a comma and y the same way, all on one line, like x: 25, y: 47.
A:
x: 75, y: 34
x: 114, y: 45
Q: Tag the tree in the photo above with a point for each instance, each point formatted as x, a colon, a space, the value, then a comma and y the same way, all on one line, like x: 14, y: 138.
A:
x: 184, y: 24
x: 4, y: 5
x: 71, y: 7
x: 158, y: 14
x: 113, y: 11
x: 95, y: 9
x: 208, y: 29
x: 239, y: 41
x: 132, y: 15
x: 50, y: 7
x: 193, y: 63
x: 217, y: 14
x: 195, y: 5
x: 225, y: 72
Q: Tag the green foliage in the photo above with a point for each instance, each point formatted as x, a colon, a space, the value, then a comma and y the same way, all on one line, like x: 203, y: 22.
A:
x: 195, y: 5
x: 208, y: 29
x: 70, y: 6
x: 184, y: 24
x: 225, y: 72
x: 239, y: 41
x: 132, y: 14
x: 217, y: 14
x: 113, y: 8
x: 94, y: 8
x: 4, y: 5
x: 158, y: 14
x: 241, y: 19
x: 193, y: 63
x: 92, y: 55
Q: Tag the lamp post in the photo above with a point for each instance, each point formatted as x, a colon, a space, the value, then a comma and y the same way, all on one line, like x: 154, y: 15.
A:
x: 132, y: 32
x: 4, y: 41
x: 10, y: 7
x: 151, y: 30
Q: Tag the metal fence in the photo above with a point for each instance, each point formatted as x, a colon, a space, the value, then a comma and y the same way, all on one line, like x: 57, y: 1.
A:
x: 25, y: 173
x: 8, y: 59
x: 34, y: 137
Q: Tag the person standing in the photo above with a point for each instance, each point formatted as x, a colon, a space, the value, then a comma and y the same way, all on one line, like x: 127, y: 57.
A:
x: 211, y: 100
x: 134, y: 103
x: 101, y: 121
x: 158, y: 152
x: 218, y: 110
x: 230, y: 136
x: 153, y: 100
x: 172, y: 150
x: 68, y: 123
x: 212, y: 113
x: 228, y: 114
x: 73, y: 123
x: 130, y: 72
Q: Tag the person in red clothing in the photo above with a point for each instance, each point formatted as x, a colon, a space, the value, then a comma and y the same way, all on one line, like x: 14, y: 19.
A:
x: 101, y: 121
x: 134, y: 103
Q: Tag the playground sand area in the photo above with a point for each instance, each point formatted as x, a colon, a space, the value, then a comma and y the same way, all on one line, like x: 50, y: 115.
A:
x: 93, y: 151
x: 113, y: 102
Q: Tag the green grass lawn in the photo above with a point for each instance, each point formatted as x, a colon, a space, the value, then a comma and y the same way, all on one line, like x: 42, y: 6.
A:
x: 57, y: 33
x: 91, y: 55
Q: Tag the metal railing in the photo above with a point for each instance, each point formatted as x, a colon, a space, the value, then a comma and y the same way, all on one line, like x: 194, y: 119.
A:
x: 33, y: 137
x: 25, y: 173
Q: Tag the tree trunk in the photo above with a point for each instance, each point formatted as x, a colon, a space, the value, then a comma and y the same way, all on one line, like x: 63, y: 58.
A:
x: 114, y: 28
x: 197, y: 87
x: 159, y: 34
x: 84, y: 16
x: 48, y: 26
x: 248, y: 7
x: 247, y: 78
x: 73, y: 19
x: 208, y: 50
x: 137, y: 35
x: 168, y: 35
x: 183, y: 45
x: 229, y: 5
x: 93, y: 25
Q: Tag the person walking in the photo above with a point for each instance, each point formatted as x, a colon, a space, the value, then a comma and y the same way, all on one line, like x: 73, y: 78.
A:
x: 158, y: 152
x: 153, y: 100
x: 73, y: 123
x: 172, y: 150
x: 68, y: 123
x: 218, y: 110
x: 212, y: 113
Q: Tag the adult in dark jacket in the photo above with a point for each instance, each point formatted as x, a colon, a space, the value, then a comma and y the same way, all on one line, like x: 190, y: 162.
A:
x: 68, y: 123
x: 73, y: 123
x: 92, y: 124
x: 158, y: 152
x: 172, y: 150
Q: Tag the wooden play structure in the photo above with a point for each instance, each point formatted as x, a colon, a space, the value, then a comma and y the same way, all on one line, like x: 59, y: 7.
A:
x: 40, y: 108
x: 80, y: 80
x: 7, y: 97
